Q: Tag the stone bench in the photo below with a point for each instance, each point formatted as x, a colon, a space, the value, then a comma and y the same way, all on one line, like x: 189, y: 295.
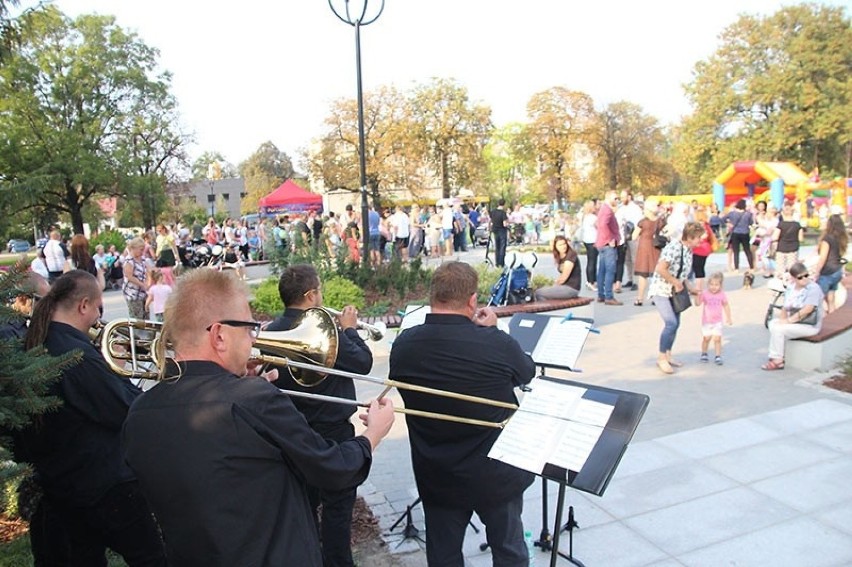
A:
x: 822, y: 351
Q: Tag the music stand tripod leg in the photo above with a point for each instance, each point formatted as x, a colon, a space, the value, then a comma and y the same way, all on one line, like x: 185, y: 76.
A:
x: 410, y: 531
x: 555, y: 552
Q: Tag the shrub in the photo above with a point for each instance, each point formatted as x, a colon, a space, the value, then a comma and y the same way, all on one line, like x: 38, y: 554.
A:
x: 108, y: 238
x: 266, y: 299
x: 338, y: 292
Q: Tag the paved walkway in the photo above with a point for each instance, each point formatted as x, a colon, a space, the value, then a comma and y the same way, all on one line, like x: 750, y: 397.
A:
x: 730, y: 465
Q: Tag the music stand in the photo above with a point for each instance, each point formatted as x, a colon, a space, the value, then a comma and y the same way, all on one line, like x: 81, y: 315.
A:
x: 410, y: 531
x: 571, y: 433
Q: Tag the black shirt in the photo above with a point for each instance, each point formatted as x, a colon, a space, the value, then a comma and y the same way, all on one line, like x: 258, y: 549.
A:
x: 353, y: 355
x: 499, y: 220
x: 788, y: 237
x: 450, y: 460
x: 76, y: 449
x: 223, y: 461
x: 575, y: 278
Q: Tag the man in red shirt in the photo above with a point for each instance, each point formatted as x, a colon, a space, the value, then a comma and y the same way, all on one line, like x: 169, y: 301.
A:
x: 607, y: 246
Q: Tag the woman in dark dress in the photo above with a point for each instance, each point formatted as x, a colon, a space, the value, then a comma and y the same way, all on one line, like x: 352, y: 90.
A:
x: 647, y: 255
x: 567, y: 284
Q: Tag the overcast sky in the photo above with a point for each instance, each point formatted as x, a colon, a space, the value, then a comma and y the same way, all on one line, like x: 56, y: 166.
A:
x: 256, y: 70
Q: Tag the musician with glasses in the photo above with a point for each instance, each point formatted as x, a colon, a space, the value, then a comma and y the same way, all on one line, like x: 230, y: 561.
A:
x: 223, y: 457
x: 300, y: 289
x: 460, y: 349
x: 76, y: 450
x: 800, y: 316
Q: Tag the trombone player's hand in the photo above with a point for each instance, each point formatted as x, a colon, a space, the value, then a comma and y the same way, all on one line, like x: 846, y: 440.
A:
x: 378, y: 419
x: 485, y: 317
x: 348, y: 318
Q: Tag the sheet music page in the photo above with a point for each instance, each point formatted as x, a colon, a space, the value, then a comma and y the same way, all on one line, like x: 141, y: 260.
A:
x: 578, y: 440
x: 414, y: 315
x: 592, y: 413
x: 555, y: 400
x: 561, y: 342
x: 526, y: 441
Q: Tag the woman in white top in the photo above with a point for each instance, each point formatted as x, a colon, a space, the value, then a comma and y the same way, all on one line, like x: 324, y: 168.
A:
x: 589, y: 233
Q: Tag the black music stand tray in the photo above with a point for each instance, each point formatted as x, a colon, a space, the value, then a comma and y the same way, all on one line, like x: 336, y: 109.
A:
x: 597, y: 470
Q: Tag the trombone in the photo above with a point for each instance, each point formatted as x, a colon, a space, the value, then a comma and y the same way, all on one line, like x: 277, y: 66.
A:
x: 375, y: 331
x: 132, y: 348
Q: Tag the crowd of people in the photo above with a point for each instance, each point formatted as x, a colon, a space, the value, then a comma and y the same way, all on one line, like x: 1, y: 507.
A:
x: 217, y: 466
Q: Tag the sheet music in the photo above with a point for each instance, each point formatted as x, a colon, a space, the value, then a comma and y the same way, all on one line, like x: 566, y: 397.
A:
x: 554, y: 424
x: 561, y: 342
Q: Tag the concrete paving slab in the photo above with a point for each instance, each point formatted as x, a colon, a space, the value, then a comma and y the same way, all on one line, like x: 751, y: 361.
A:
x: 718, y: 438
x: 802, y: 541
x: 766, y: 460
x: 705, y: 521
x: 813, y: 488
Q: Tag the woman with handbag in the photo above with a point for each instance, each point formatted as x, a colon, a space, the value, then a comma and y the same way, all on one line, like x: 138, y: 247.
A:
x: 801, y: 315
x: 670, y: 291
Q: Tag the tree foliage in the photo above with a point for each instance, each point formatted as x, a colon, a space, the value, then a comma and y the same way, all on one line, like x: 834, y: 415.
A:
x: 263, y: 171
x: 777, y: 88
x: 393, y: 153
x: 453, y: 130
x: 559, y: 124
x: 630, y: 148
x: 78, y: 101
x: 509, y: 161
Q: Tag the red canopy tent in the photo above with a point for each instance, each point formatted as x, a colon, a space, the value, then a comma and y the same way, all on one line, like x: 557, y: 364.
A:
x: 289, y: 197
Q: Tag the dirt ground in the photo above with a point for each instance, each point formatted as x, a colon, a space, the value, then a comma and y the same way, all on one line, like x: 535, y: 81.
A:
x: 840, y: 382
x: 368, y: 549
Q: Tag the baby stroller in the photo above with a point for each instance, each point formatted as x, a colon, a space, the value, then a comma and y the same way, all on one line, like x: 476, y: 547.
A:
x: 515, y: 283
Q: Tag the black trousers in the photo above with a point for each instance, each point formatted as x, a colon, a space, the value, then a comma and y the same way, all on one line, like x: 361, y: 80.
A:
x: 501, y: 239
x: 738, y: 240
x: 504, y: 532
x: 336, y: 526
x: 591, y: 262
x: 121, y: 521
x: 619, y: 262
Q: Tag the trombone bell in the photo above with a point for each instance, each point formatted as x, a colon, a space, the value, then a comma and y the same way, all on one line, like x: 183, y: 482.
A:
x: 313, y: 340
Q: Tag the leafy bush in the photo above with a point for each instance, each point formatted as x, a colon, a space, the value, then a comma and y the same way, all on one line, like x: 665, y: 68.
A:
x: 108, y: 238
x: 338, y: 292
x: 266, y: 299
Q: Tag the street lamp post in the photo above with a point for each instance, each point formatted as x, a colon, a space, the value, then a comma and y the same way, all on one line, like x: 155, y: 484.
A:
x: 357, y: 20
x: 212, y: 198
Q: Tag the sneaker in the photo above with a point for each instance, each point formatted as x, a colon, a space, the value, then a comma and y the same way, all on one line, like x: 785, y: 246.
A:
x: 718, y: 361
x: 704, y: 357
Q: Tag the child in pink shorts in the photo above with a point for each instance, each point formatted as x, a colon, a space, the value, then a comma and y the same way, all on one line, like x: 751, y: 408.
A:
x: 716, y: 305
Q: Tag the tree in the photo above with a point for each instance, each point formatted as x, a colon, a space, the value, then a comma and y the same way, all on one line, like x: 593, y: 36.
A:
x: 263, y: 171
x: 72, y: 97
x: 629, y: 146
x: 201, y: 166
x: 777, y: 88
x: 559, y: 122
x: 509, y: 159
x: 392, y: 150
x: 453, y: 131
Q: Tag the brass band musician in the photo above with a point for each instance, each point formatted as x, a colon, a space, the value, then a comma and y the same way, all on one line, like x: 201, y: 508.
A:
x: 300, y: 289
x: 460, y: 349
x: 223, y: 457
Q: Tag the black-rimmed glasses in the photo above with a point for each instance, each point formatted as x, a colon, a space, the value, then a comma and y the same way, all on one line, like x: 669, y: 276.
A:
x: 801, y: 276
x: 252, y: 326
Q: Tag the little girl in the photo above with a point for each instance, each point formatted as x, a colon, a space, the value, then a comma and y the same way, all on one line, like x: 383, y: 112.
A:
x: 715, y: 303
x: 352, y: 243
x: 157, y: 295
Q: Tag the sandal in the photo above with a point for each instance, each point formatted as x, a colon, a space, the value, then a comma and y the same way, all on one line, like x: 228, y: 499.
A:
x: 665, y: 366
x: 637, y: 302
x: 773, y: 365
x: 675, y: 363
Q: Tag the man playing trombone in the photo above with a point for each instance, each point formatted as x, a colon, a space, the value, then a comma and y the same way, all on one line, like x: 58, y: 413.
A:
x: 300, y: 289
x: 223, y: 457
x: 459, y: 348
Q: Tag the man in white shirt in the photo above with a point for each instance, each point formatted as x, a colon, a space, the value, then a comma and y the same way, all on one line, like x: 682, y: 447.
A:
x: 54, y: 256
x: 401, y: 227
x: 628, y: 215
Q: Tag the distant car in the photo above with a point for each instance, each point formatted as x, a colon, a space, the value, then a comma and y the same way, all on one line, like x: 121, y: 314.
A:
x: 18, y: 246
x: 40, y: 243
